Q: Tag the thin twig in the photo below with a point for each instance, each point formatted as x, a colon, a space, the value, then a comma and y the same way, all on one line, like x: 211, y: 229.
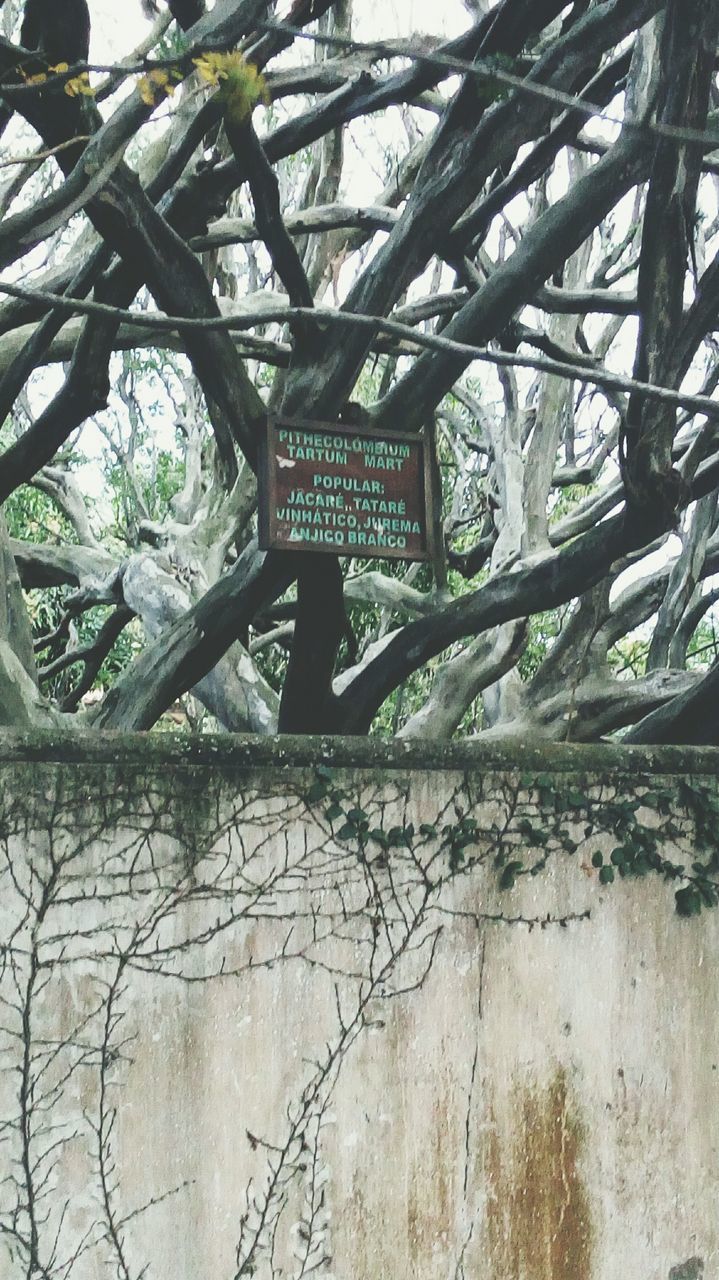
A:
x: 380, y: 324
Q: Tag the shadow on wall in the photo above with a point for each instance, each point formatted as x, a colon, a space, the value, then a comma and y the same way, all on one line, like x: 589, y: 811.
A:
x: 691, y: 1270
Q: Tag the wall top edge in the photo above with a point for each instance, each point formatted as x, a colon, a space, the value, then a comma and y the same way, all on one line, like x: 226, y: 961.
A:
x: 231, y: 752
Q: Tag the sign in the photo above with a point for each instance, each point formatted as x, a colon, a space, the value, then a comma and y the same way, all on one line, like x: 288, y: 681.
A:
x: 343, y: 489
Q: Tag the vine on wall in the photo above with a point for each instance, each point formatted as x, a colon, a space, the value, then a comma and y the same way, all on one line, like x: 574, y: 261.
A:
x: 109, y: 883
x: 643, y: 819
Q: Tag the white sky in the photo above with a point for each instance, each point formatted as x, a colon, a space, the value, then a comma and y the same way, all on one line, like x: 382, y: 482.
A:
x: 118, y: 25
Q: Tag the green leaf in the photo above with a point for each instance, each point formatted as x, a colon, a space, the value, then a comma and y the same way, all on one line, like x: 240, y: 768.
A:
x: 427, y: 830
x: 347, y: 832
x: 509, y: 875
x: 708, y: 894
x: 688, y: 901
x: 397, y: 836
x: 606, y: 875
x: 597, y: 859
x: 317, y: 791
x: 334, y: 812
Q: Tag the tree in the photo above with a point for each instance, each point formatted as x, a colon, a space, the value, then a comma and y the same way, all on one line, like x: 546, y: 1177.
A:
x: 530, y: 274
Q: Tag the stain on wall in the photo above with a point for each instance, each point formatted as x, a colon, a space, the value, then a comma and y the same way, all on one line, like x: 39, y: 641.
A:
x: 538, y: 1212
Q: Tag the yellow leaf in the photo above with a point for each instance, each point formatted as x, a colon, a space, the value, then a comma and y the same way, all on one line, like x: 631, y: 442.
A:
x: 241, y: 85
x: 211, y: 66
x: 155, y: 86
x: 146, y: 91
x: 80, y: 87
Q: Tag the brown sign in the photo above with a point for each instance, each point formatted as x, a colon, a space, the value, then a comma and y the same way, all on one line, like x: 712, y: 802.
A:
x: 345, y: 490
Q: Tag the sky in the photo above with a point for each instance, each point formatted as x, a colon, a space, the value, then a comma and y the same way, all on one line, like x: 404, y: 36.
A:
x: 118, y: 25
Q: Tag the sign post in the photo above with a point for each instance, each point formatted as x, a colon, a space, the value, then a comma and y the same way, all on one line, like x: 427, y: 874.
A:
x: 345, y: 490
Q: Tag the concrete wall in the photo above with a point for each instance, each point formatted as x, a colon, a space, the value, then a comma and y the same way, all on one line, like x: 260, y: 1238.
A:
x: 236, y: 1043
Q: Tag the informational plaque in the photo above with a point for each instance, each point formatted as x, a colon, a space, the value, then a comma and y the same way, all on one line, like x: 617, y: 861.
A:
x: 342, y: 489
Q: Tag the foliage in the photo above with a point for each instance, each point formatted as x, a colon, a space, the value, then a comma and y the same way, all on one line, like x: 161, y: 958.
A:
x: 549, y: 815
x: 33, y: 516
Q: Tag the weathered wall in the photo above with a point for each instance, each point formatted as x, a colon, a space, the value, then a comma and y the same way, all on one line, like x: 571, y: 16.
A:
x: 241, y: 1038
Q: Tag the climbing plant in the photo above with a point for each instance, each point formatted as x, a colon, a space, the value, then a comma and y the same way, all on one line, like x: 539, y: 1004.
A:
x: 617, y: 828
